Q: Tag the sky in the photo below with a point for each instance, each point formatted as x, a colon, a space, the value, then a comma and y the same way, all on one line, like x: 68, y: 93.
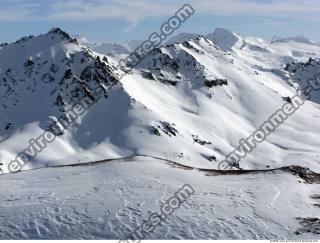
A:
x: 117, y: 21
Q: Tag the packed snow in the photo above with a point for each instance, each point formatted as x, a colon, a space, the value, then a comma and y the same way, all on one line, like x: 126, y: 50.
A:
x: 109, y: 200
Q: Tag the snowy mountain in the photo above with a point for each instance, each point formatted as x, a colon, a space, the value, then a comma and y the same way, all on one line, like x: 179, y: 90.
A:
x: 190, y: 101
x: 168, y: 122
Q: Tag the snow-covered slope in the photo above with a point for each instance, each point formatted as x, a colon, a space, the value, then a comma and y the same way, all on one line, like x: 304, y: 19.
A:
x: 111, y: 200
x: 189, y: 101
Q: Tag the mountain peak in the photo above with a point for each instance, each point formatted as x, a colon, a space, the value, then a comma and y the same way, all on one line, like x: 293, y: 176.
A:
x: 224, y: 38
x: 55, y: 43
x: 63, y: 34
x: 57, y: 30
x: 223, y: 31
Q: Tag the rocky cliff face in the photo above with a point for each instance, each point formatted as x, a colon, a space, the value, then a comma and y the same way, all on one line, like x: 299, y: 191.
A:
x: 51, y: 68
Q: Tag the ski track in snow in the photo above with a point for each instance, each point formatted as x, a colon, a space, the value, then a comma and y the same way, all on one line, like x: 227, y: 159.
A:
x: 110, y: 200
x: 275, y: 197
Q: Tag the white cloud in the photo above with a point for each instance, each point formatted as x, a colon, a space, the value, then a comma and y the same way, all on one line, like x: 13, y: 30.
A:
x: 135, y: 11
x: 264, y: 8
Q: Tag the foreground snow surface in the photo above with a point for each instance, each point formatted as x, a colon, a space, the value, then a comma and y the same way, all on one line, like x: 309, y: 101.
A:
x: 109, y: 200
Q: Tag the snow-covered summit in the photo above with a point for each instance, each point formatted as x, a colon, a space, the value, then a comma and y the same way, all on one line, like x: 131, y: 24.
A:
x: 225, y: 39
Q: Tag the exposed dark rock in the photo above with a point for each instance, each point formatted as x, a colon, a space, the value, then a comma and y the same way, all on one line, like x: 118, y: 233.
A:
x: 170, y: 82
x: 199, y: 141
x: 68, y: 74
x: 24, y: 39
x: 293, y: 67
x: 212, y: 158
x: 162, y: 60
x: 148, y: 75
x: 62, y: 33
x: 308, y: 225
x: 47, y: 78
x: 315, y: 196
x: 54, y: 68
x: 307, y: 175
x: 4, y: 44
x: 155, y: 131
x: 287, y: 99
x: 167, y: 129
x: 290, y: 67
x: 59, y: 101
x: 8, y: 126
x: 55, y: 129
x: 215, y: 82
x: 86, y: 74
x: 29, y: 63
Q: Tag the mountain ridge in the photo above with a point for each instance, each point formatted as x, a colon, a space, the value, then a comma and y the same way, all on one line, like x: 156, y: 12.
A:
x: 188, y: 101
